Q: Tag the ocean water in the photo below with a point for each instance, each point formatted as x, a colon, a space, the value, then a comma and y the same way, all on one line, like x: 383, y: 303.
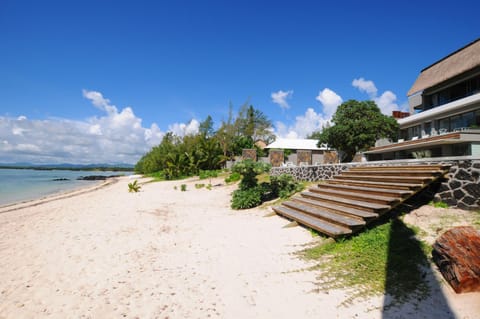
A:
x: 18, y: 185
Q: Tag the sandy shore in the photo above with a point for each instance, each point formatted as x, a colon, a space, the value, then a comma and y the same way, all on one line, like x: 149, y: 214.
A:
x: 164, y: 253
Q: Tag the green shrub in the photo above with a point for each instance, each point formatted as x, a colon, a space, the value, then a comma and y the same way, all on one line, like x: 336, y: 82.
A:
x: 243, y: 199
x: 207, y: 174
x: 249, y: 171
x: 233, y: 177
x: 158, y: 176
x: 209, y: 187
x: 284, y: 185
x: 134, y: 187
x: 183, y: 187
x: 198, y: 186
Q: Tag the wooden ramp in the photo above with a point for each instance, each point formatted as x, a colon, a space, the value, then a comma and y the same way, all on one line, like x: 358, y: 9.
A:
x: 348, y: 202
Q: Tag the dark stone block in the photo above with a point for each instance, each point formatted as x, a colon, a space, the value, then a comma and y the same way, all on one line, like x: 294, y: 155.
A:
x: 444, y: 187
x: 476, y: 165
x: 472, y: 189
x: 465, y: 164
x: 454, y: 184
x: 470, y: 201
x: 458, y: 194
x: 475, y: 173
x: 463, y: 175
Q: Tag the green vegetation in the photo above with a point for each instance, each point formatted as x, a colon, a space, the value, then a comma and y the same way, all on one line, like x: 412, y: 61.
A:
x: 198, y: 186
x: 248, y: 198
x: 357, y: 126
x: 208, y: 174
x: 183, y: 187
x: 134, y: 187
x: 251, y: 193
x: 233, y: 177
x: 204, y: 153
x: 384, y: 259
x: 438, y: 204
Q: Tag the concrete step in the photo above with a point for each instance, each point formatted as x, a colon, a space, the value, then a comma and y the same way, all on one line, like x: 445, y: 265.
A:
x: 322, y: 226
x: 344, y: 210
x: 366, y: 206
x: 368, y: 190
x: 386, y: 200
x: 331, y: 217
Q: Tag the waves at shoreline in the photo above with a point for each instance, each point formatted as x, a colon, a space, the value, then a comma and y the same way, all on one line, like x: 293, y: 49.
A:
x: 23, y: 186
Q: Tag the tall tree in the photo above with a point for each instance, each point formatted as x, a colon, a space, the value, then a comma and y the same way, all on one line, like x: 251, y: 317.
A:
x: 357, y: 126
x: 206, y: 127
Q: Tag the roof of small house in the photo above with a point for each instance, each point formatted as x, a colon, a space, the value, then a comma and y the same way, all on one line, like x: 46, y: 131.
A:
x: 456, y: 63
x: 296, y: 144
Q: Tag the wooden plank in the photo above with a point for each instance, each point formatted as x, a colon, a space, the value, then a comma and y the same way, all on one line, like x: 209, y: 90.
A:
x: 349, y: 211
x: 312, y: 222
x: 370, y: 190
x: 357, y: 196
x: 392, y: 185
x: 378, y: 178
x: 326, y: 215
x: 402, y: 167
x: 373, y: 207
x: 413, y: 173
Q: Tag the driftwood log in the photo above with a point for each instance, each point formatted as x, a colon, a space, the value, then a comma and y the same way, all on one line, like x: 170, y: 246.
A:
x: 457, y: 255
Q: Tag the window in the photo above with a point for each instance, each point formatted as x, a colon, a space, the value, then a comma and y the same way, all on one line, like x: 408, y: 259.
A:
x: 444, y: 125
x: 456, y: 122
x: 427, y: 127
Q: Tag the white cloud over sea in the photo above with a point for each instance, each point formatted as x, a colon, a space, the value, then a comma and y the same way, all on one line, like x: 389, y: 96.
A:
x: 117, y: 136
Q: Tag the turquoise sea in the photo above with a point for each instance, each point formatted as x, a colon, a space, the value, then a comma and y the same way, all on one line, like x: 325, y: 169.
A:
x: 18, y: 185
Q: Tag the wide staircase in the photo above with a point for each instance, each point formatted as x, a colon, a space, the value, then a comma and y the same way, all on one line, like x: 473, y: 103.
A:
x: 347, y: 203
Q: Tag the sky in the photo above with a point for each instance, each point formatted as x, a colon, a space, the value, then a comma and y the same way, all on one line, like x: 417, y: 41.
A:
x: 102, y: 81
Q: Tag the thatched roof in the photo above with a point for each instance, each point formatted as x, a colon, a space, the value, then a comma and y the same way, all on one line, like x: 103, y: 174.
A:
x: 452, y: 65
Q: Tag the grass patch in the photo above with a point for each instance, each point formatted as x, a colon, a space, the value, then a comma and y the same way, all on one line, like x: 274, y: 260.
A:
x: 439, y: 204
x: 385, y: 259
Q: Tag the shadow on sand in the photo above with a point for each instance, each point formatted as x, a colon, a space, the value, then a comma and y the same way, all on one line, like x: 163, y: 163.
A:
x: 421, y: 296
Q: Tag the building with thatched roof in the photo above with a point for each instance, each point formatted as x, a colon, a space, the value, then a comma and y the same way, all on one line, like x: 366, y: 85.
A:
x: 445, y: 106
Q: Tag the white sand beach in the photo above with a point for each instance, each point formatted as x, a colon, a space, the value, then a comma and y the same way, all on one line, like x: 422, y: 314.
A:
x: 164, y: 253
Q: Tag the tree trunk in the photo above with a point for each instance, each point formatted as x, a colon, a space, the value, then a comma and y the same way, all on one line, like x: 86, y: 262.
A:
x: 457, y: 255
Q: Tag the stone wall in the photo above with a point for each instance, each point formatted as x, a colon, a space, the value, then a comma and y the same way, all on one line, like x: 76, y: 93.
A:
x: 461, y: 187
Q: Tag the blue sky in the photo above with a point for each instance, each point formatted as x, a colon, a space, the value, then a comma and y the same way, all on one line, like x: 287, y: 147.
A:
x: 102, y: 81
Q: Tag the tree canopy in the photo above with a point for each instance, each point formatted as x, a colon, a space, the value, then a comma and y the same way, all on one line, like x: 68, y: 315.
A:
x: 357, y: 125
x: 179, y: 156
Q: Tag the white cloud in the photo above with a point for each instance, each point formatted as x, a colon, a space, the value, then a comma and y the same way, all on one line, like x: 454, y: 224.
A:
x: 182, y: 129
x: 281, y: 97
x: 114, y: 137
x: 365, y: 86
x: 99, y: 101
x: 330, y: 101
x: 387, y: 101
x: 304, y: 125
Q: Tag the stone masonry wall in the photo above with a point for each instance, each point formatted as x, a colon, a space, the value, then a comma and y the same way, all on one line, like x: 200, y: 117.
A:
x: 460, y: 189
